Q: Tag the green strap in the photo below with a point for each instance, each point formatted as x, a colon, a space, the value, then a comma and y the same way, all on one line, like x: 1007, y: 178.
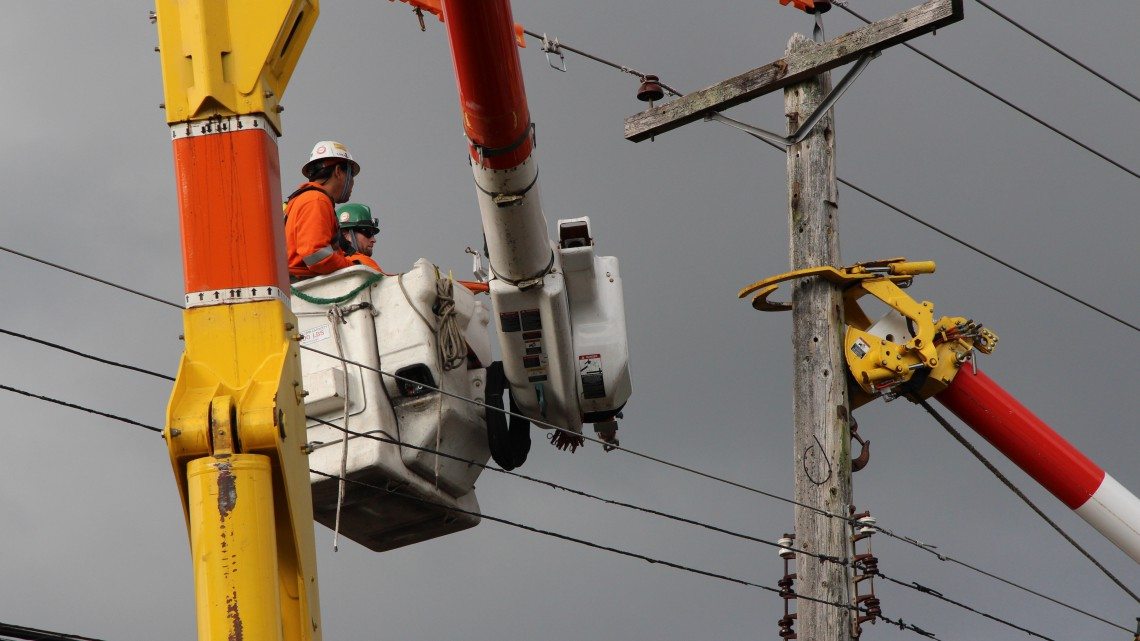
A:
x: 370, y: 281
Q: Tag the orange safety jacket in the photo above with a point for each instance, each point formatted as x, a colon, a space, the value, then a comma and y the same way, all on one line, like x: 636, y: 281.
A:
x: 312, y: 233
x: 363, y: 259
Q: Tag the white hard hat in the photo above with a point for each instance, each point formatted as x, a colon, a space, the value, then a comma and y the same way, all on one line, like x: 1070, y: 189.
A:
x: 326, y: 150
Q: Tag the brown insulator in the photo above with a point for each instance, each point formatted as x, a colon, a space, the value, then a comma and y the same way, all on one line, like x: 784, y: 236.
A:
x: 650, y: 89
x: 785, y: 584
x: 786, y: 623
x: 868, y: 563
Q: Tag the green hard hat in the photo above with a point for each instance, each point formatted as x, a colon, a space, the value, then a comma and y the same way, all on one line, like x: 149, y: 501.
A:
x: 356, y: 216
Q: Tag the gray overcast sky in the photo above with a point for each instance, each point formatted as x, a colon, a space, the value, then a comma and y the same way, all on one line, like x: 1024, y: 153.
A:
x: 92, y: 539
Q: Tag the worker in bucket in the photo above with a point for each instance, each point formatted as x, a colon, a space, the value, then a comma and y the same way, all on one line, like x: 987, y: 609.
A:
x: 312, y: 236
x: 358, y: 230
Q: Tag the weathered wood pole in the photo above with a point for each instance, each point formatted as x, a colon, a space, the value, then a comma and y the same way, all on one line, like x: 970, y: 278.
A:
x: 822, y: 438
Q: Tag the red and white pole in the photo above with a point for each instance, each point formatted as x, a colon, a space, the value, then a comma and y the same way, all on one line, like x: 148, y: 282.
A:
x: 1043, y: 454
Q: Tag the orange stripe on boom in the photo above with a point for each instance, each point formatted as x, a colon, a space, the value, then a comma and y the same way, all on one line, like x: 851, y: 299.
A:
x: 229, y: 200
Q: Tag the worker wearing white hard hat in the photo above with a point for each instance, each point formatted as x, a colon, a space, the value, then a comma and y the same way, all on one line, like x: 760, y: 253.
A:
x: 311, y: 231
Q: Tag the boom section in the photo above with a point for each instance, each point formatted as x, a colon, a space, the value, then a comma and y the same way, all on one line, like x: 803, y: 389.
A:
x: 235, y: 425
x: 559, y: 308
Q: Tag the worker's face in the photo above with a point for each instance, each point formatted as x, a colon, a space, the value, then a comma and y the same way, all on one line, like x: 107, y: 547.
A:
x: 341, y: 184
x: 365, y: 239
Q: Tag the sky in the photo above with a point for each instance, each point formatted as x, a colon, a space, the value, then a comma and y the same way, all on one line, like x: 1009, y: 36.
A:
x: 92, y: 538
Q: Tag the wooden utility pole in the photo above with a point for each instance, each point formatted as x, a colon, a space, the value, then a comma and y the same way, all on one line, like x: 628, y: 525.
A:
x: 821, y: 448
x: 822, y: 456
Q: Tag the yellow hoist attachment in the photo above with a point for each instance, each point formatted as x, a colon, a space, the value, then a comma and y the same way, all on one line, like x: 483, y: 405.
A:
x: 905, y: 351
x: 226, y: 57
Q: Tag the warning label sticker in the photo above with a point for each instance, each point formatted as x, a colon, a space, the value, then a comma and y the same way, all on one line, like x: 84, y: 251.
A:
x: 860, y: 348
x: 590, y: 369
x: 316, y: 334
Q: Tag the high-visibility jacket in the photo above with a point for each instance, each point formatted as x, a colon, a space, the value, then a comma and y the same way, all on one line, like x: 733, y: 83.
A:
x: 363, y: 259
x: 312, y: 234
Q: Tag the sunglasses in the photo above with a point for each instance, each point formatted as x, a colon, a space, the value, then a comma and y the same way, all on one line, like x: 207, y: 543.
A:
x: 367, y: 233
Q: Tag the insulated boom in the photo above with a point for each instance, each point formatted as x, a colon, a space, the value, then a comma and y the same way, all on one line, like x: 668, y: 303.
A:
x: 1046, y: 456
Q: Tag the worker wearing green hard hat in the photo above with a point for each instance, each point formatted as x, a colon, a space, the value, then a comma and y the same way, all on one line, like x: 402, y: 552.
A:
x: 358, y: 230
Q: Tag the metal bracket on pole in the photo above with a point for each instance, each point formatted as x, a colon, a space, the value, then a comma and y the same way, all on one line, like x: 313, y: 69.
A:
x: 809, y: 124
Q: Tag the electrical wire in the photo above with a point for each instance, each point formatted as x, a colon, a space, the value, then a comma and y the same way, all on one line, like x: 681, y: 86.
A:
x: 1058, y: 50
x: 576, y: 492
x: 395, y: 441
x: 918, y: 587
x: 883, y: 202
x: 89, y: 277
x: 926, y: 547
x: 1004, y: 101
x: 80, y: 407
x: 970, y: 246
x: 84, y: 355
x: 635, y: 555
x: 1021, y: 495
x: 553, y: 46
x: 914, y: 542
x: 990, y: 256
x: 13, y: 631
x: 610, y: 446
x: 534, y: 530
x: 909, y: 540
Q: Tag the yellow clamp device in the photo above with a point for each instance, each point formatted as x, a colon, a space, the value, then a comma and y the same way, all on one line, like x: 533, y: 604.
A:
x: 905, y: 351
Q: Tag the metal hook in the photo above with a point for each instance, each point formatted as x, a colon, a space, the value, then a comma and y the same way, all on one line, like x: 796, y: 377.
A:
x: 860, y: 462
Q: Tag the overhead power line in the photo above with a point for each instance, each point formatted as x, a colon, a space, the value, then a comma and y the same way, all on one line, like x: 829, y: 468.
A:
x: 1004, y: 101
x: 428, y: 450
x: 1058, y: 50
x: 387, y: 439
x: 90, y: 277
x: 635, y: 555
x: 81, y: 408
x: 557, y: 486
x: 1021, y: 495
x: 84, y: 354
x: 32, y: 634
x: 534, y: 530
x: 935, y: 228
x: 918, y: 587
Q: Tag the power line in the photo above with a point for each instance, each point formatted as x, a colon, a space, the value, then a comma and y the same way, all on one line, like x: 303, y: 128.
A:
x: 938, y: 595
x: 635, y: 555
x: 1004, y: 101
x: 386, y: 439
x: 885, y: 531
x: 926, y: 547
x: 85, y: 355
x: 13, y: 631
x: 1058, y: 50
x: 923, y: 546
x: 557, y: 535
x: 968, y: 245
x: 554, y: 46
x: 990, y: 256
x: 556, y: 486
x: 1021, y: 495
x: 81, y: 408
x: 90, y: 277
x: 883, y: 202
x: 397, y: 442
x: 612, y: 447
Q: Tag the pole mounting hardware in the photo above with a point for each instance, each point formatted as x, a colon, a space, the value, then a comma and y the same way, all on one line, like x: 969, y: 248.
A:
x: 802, y: 132
x: 904, y: 352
